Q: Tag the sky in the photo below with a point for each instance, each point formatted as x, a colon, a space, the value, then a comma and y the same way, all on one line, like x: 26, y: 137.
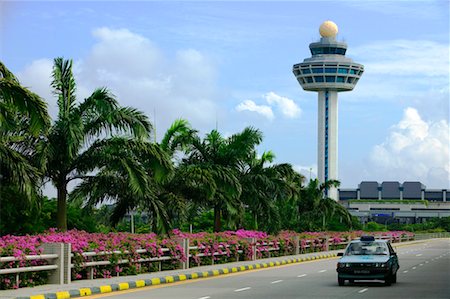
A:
x: 228, y: 65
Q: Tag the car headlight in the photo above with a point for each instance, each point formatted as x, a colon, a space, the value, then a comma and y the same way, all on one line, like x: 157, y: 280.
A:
x: 343, y: 265
x: 381, y: 265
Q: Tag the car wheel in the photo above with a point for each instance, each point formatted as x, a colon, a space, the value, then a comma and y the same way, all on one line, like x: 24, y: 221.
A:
x: 388, y: 281
x: 394, y: 278
x: 341, y: 281
x: 351, y: 280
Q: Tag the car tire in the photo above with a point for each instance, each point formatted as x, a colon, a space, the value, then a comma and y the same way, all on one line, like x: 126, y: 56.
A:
x: 394, y: 278
x: 341, y: 281
x: 351, y: 280
x: 388, y: 282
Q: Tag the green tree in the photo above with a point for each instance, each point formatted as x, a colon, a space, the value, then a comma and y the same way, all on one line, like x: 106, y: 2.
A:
x: 262, y: 187
x: 89, y: 138
x: 23, y: 122
x: 316, y: 209
x: 215, y: 161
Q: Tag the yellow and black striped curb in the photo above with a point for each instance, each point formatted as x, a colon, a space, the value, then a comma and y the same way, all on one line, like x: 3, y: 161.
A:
x: 172, y: 278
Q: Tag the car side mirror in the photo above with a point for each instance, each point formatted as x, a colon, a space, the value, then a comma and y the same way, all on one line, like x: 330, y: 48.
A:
x: 340, y: 254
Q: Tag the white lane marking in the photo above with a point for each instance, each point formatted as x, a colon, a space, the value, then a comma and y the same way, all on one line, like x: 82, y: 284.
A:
x: 362, y: 291
x: 276, y: 281
x: 206, y: 297
x: 321, y: 271
x: 406, y: 271
x: 420, y: 254
x: 421, y: 265
x: 302, y: 275
x: 414, y: 268
x: 243, y: 289
x: 426, y: 262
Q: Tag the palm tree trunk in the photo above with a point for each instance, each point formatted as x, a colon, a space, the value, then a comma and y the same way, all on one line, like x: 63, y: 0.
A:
x: 323, y: 222
x: 61, y: 214
x: 217, y: 220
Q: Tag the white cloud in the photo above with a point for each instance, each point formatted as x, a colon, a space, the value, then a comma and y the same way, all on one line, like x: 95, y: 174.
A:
x: 415, y: 149
x: 287, y: 106
x: 37, y: 77
x: 142, y: 76
x: 409, y: 72
x: 249, y: 105
x: 309, y: 172
x: 404, y: 57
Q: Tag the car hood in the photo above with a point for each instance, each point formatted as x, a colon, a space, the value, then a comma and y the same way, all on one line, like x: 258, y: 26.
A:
x: 364, y: 259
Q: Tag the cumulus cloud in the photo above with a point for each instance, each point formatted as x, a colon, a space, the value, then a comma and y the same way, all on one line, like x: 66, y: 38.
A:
x: 251, y: 106
x: 37, y: 77
x: 140, y: 75
x: 415, y: 149
x: 286, y: 106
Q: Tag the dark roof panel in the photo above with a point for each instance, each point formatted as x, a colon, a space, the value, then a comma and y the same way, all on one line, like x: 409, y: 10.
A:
x: 368, y: 190
x: 412, y: 190
x: 390, y: 190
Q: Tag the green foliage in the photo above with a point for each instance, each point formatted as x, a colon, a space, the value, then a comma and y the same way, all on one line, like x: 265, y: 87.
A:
x: 430, y: 226
x: 374, y: 227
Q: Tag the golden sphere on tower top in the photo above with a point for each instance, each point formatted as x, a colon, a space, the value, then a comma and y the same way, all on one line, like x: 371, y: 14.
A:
x: 328, y: 29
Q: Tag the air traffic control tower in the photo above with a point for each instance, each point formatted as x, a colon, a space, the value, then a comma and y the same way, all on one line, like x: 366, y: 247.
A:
x: 328, y: 72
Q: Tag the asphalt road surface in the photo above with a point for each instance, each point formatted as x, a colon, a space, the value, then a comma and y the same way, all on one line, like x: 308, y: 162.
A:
x: 424, y: 273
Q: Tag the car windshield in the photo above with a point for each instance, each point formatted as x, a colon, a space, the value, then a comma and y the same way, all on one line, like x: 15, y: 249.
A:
x: 367, y: 248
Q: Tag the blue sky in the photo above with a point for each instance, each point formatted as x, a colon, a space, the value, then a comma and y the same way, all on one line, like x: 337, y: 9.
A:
x: 230, y: 64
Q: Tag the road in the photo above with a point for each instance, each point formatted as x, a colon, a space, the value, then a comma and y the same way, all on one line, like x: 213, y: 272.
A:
x: 424, y: 273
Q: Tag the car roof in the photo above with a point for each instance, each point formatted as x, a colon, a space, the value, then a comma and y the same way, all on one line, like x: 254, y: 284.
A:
x: 376, y: 240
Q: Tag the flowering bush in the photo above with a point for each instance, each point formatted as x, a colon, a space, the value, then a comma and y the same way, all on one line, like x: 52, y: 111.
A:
x: 126, y: 254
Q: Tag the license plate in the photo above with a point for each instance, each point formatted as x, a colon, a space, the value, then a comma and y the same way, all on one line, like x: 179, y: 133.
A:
x: 362, y: 271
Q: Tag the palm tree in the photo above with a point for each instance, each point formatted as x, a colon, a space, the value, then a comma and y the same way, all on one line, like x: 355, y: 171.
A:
x: 316, y: 208
x: 131, y: 184
x: 215, y: 161
x: 91, y: 137
x: 262, y: 187
x: 23, y: 121
x: 166, y: 197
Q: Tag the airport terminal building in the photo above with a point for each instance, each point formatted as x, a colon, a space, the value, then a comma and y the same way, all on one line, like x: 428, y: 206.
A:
x: 393, y: 202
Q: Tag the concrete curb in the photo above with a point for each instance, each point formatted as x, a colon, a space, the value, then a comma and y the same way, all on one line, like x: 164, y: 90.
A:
x: 172, y: 278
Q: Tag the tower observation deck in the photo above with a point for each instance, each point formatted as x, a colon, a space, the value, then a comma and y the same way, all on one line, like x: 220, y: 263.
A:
x: 328, y: 71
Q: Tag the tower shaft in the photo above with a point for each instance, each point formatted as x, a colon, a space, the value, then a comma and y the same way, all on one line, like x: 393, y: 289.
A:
x: 327, y: 136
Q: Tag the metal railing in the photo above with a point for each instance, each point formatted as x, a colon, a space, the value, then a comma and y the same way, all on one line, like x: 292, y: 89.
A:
x: 58, y: 258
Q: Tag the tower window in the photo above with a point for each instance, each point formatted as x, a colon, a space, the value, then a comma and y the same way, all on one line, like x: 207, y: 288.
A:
x: 317, y: 70
x: 330, y: 70
x: 309, y: 79
x: 342, y: 70
x: 330, y: 78
x: 318, y: 78
x: 306, y: 71
x: 340, y: 79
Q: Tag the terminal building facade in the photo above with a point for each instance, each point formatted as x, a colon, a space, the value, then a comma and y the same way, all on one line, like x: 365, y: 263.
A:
x: 393, y: 202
